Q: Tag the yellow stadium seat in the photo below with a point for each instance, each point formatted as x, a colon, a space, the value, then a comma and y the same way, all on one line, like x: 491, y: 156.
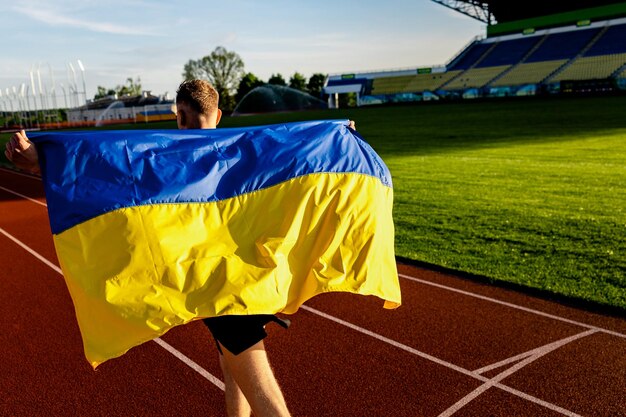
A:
x: 531, y: 73
x: 593, y: 67
x: 476, y: 77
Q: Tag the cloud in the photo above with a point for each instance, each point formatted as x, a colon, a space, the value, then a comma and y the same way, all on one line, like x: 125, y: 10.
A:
x: 55, y: 18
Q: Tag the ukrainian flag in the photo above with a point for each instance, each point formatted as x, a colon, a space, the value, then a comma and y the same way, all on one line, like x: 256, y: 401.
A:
x: 154, y: 229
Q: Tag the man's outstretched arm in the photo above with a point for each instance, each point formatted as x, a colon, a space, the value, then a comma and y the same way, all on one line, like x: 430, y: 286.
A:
x: 22, y: 153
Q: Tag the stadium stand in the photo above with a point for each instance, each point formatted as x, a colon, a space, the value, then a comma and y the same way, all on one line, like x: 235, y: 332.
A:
x: 391, y: 85
x: 552, y: 54
x: 529, y: 73
x: 472, y: 55
x: 498, y: 59
x: 531, y: 48
x: 602, y: 59
x: 590, y: 68
x: 411, y: 83
x: 509, y: 52
x: 564, y: 45
x: 475, y: 78
x: 613, y: 41
x: 430, y: 82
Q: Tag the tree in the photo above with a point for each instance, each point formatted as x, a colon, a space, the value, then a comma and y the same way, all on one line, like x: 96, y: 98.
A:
x: 103, y: 92
x: 316, y: 85
x: 131, y: 88
x: 223, y: 69
x: 297, y: 81
x: 248, y: 83
x: 277, y: 79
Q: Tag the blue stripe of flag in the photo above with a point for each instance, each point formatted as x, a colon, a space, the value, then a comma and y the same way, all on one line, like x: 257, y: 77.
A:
x: 90, y: 173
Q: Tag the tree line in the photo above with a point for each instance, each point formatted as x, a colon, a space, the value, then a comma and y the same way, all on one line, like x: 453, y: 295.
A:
x: 131, y: 88
x: 225, y: 70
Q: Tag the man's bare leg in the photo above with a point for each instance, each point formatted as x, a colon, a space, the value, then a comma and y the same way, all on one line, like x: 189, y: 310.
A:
x: 251, y: 372
x: 236, y: 403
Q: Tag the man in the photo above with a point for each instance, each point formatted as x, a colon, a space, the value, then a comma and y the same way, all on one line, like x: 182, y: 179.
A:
x: 249, y: 382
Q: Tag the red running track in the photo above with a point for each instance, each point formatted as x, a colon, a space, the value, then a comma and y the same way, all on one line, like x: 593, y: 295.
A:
x: 455, y: 347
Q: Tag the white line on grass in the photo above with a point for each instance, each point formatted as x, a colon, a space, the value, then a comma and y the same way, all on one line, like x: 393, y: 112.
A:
x: 452, y: 366
x: 515, y: 306
x: 214, y: 380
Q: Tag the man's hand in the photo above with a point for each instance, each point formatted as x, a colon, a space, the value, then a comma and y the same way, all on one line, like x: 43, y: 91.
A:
x: 352, y: 125
x: 22, y: 153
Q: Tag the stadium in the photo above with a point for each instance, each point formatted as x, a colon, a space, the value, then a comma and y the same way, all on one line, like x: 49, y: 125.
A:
x: 530, y: 48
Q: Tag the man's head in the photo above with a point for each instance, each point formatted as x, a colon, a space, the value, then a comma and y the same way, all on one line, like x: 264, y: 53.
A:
x: 196, y: 105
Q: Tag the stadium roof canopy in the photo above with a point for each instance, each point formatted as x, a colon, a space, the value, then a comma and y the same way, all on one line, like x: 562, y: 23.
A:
x: 502, y: 11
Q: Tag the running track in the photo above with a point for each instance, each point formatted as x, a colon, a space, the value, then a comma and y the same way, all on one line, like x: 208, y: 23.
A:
x: 455, y: 347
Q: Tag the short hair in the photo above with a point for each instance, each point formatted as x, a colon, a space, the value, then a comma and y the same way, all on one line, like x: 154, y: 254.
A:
x: 199, y: 94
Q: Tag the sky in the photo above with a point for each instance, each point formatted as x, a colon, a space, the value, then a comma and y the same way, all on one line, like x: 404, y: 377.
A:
x: 153, y: 39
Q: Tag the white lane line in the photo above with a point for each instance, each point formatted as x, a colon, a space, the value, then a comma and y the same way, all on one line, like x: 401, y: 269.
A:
x: 23, y: 196
x: 395, y: 344
x: 544, y: 350
x: 193, y: 365
x: 449, y: 365
x: 536, y: 400
x: 10, y: 171
x: 214, y: 380
x: 516, y: 358
x: 507, y: 361
x: 515, y: 306
x: 31, y: 251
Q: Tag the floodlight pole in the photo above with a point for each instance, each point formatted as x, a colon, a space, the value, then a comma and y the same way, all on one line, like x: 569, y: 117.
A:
x: 5, y: 113
x: 42, y: 100
x: 5, y: 109
x: 54, y: 87
x: 82, y: 73
x: 64, y: 96
x: 10, y: 103
x: 32, y: 83
x: 9, y: 98
x: 19, y: 104
x: 23, y: 103
x: 74, y: 83
x: 65, y: 100
x: 27, y: 98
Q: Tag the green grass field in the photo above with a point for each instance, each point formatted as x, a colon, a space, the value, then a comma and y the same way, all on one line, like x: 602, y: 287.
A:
x: 531, y: 192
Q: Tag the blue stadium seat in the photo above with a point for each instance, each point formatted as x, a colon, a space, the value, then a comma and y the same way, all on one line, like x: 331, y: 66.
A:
x: 613, y: 41
x: 509, y: 52
x: 563, y: 45
x: 470, y: 57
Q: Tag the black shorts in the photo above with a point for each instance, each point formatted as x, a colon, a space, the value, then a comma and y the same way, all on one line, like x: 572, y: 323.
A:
x: 238, y: 333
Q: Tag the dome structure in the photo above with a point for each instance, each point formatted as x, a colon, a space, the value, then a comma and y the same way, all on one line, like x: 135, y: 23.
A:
x: 271, y: 98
